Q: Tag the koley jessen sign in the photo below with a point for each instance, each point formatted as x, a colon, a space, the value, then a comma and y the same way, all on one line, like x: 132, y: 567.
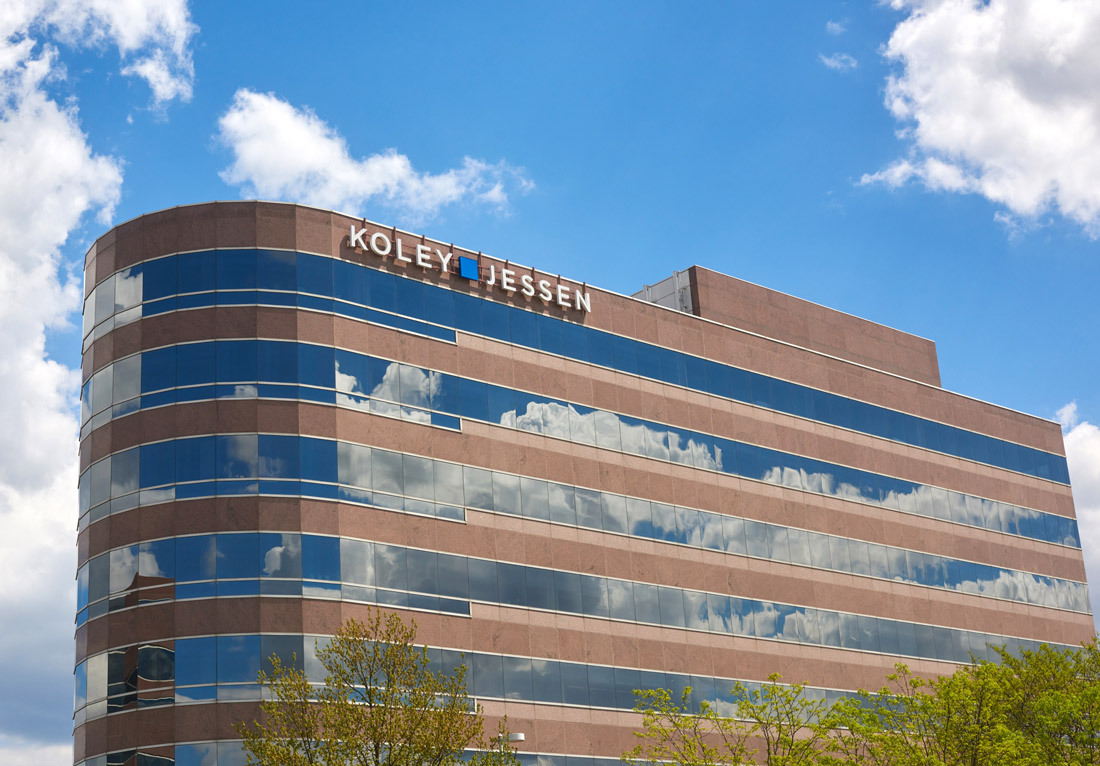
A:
x: 503, y: 278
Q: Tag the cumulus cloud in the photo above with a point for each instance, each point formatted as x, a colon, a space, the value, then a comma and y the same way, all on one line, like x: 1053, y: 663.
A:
x: 1083, y: 454
x: 152, y: 36
x: 51, y: 181
x: 835, y: 27
x: 840, y: 62
x: 999, y: 98
x: 284, y: 152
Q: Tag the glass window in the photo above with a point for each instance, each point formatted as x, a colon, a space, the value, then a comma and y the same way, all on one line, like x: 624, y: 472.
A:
x: 799, y: 542
x: 639, y: 517
x: 546, y: 681
x: 672, y: 606
x: 157, y: 463
x: 422, y: 571
x: 389, y: 567
x: 607, y: 429
x: 778, y: 549
x: 488, y: 678
x: 278, y: 457
x: 238, y: 555
x: 478, y: 484
x: 124, y: 567
x: 356, y: 562
x: 594, y: 596
x: 562, y: 503
x: 316, y: 365
x: 534, y: 499
x: 734, y: 532
x: 196, y: 661
x: 567, y: 592
x: 483, y: 580
x: 236, y: 456
x: 196, y: 558
x: 589, y: 512
x: 419, y: 476
x: 124, y: 472
x: 238, y: 658
x: 614, y: 512
x: 236, y: 361
x: 158, y: 369
x: 646, y: 605
x: 506, y: 494
x: 453, y: 576
x: 473, y: 399
x: 387, y: 472
x: 574, y: 683
x: 354, y: 464
x: 512, y: 582
x: 196, y: 364
x: 540, y: 588
x: 280, y: 555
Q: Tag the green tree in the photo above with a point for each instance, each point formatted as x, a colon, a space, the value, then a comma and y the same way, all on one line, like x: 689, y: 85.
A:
x: 784, y: 718
x: 381, y: 705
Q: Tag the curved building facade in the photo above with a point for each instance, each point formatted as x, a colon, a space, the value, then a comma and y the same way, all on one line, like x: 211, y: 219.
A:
x: 289, y: 414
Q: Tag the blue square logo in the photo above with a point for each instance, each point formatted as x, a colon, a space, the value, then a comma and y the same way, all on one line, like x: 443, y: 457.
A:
x: 467, y: 267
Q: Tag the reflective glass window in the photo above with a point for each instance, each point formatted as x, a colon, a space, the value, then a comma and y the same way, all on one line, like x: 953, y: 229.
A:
x: 236, y: 456
x: 238, y: 658
x: 389, y: 567
x: 562, y: 503
x: 196, y: 363
x: 196, y: 661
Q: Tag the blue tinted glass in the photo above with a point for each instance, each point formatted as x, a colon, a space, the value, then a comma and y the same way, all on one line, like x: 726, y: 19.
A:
x: 238, y: 555
x: 195, y: 459
x: 672, y: 366
x: 444, y: 393
x: 412, y: 296
x: 158, y: 369
x: 236, y: 360
x: 574, y: 341
x: 157, y: 464
x: 278, y: 457
x: 382, y: 289
x: 316, y: 366
x: 549, y: 332
x: 158, y: 278
x: 695, y: 372
x: 196, y: 558
x: 236, y: 269
x: 349, y: 282
x: 440, y: 306
x: 473, y: 399
x: 196, y: 661
x: 196, y: 272
x: 524, y: 327
x: 276, y: 270
x: 501, y: 403
x: 236, y: 456
x: 314, y: 274
x: 195, y: 364
x: 494, y: 321
x: 468, y: 313
x: 717, y: 378
x: 238, y: 658
x: 625, y: 353
x: 318, y: 459
x: 600, y: 349
x: 277, y: 361
x: 649, y: 361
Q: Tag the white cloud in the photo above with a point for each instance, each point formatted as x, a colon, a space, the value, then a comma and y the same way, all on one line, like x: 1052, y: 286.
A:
x: 1083, y: 454
x: 18, y: 752
x: 835, y: 27
x: 152, y: 36
x: 841, y: 62
x: 999, y: 98
x: 283, y: 152
x: 51, y: 180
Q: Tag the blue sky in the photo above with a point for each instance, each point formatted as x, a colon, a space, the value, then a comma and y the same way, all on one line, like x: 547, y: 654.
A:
x: 853, y: 154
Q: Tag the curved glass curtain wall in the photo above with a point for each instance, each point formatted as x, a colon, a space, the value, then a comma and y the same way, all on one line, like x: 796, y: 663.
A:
x: 223, y: 668
x: 228, y: 752
x: 284, y: 278
x: 353, y: 473
x: 321, y: 374
x: 316, y: 566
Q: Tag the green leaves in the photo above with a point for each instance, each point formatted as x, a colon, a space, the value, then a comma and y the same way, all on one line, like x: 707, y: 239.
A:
x: 1039, y: 709
x: 381, y: 705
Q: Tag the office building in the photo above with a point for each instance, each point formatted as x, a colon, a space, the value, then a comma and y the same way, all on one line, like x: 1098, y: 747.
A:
x: 289, y: 414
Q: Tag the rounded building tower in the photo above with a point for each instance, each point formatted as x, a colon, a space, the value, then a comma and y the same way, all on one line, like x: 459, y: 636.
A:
x: 289, y: 414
